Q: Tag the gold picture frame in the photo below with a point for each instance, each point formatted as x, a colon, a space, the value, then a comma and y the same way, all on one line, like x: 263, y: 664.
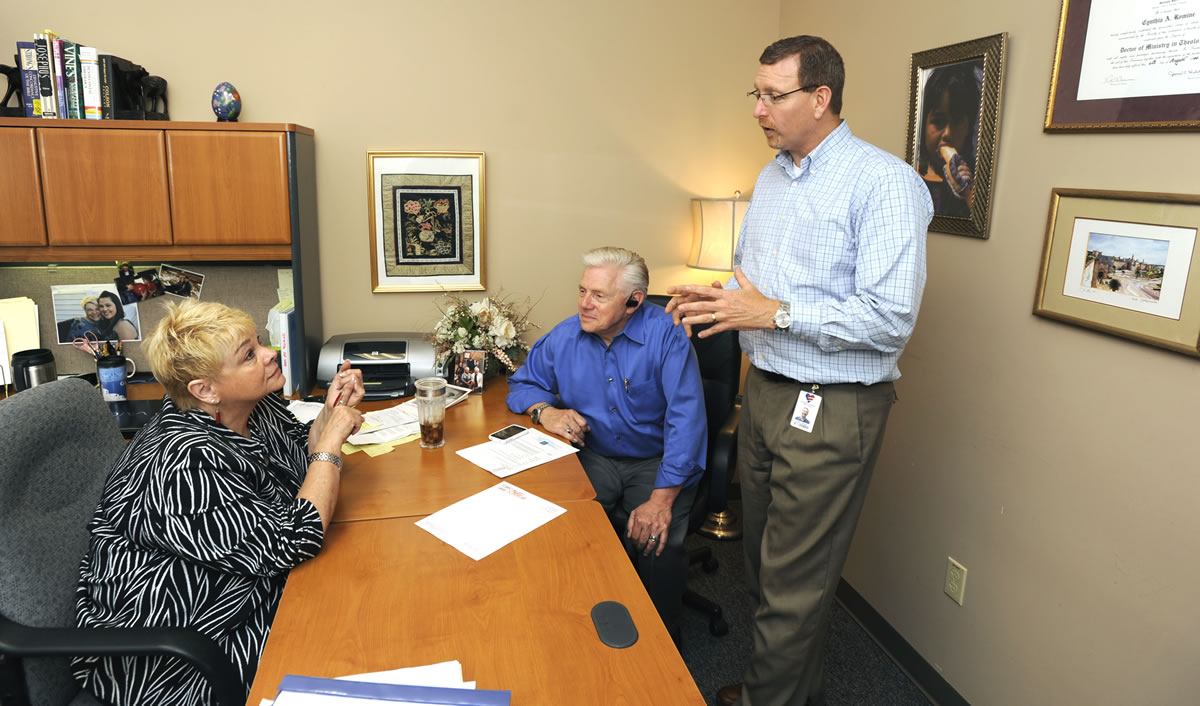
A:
x: 1121, y: 262
x: 963, y: 84
x: 426, y: 211
x: 1129, y: 70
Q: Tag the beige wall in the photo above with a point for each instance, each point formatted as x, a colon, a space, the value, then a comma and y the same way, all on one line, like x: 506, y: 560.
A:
x: 1058, y: 464
x: 600, y: 120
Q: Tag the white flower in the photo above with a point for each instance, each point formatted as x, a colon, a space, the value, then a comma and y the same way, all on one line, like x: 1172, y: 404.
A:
x: 479, y: 306
x: 462, y: 332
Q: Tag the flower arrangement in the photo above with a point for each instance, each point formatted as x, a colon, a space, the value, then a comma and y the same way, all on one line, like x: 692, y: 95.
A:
x: 494, y: 324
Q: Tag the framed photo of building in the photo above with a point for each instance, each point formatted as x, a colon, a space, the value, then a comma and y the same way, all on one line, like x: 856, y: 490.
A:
x: 953, y: 130
x: 1126, y: 65
x: 426, y: 211
x: 1121, y: 262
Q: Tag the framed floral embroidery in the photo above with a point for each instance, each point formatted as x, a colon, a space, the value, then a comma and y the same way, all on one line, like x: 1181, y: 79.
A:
x: 427, y: 221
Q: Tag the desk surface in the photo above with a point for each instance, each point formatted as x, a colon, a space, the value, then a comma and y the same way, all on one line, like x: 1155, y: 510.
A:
x: 385, y: 594
x: 411, y: 481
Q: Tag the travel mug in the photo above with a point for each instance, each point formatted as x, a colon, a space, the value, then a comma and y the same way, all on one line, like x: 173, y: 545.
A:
x: 110, y: 371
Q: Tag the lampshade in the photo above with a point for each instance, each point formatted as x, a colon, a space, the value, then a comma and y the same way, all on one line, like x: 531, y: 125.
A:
x: 716, y: 224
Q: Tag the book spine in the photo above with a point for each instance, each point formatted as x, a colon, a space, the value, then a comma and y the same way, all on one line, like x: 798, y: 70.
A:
x: 106, y: 83
x: 71, y: 69
x: 59, y: 77
x: 89, y: 81
x: 45, y: 64
x: 286, y: 332
x: 27, y: 61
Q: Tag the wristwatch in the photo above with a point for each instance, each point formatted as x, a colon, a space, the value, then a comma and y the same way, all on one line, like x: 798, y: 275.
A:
x: 325, y: 456
x: 783, y: 317
x: 536, y: 413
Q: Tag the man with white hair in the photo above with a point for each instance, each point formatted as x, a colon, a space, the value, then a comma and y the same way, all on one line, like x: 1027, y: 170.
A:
x: 621, y: 381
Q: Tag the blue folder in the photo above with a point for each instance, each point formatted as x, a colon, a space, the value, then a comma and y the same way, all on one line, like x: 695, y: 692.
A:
x: 394, y: 692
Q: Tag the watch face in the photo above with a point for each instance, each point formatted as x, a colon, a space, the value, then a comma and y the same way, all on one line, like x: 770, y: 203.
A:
x: 783, y: 319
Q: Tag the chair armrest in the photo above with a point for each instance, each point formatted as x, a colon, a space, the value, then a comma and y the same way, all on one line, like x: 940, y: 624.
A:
x: 184, y: 643
x: 721, y: 461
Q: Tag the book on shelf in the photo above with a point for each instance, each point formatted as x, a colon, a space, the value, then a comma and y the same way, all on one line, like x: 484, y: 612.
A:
x: 27, y: 62
x: 89, y: 81
x: 106, y: 86
x: 60, y: 78
x: 70, y: 51
x: 45, y: 63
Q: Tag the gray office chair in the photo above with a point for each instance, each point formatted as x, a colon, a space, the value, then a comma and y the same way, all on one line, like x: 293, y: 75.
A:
x: 720, y: 360
x: 59, y: 442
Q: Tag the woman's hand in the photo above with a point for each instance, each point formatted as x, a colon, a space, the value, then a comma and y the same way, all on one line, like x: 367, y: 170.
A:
x: 346, y: 388
x: 340, y: 422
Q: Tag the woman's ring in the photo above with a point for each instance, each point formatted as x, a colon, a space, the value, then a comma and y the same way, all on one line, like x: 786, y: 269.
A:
x: 714, y: 315
x: 653, y: 538
x: 570, y: 431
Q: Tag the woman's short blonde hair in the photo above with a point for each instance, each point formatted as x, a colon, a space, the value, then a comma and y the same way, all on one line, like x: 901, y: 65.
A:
x: 192, y: 342
x: 89, y: 299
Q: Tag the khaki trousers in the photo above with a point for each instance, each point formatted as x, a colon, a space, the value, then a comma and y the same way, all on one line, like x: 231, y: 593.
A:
x: 801, y: 496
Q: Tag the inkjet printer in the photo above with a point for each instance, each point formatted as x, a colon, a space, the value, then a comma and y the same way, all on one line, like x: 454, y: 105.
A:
x: 390, y: 362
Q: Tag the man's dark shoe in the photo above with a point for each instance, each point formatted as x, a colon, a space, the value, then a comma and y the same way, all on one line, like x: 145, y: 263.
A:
x: 728, y: 695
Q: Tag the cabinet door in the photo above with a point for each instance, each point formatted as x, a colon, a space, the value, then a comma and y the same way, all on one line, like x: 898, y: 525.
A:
x: 229, y: 188
x: 21, y: 219
x: 105, y: 187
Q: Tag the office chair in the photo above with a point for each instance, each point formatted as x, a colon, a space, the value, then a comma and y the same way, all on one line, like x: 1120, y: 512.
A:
x: 720, y: 359
x: 60, y: 441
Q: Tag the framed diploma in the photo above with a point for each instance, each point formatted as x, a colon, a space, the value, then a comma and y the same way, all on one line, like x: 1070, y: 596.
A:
x: 1126, y: 65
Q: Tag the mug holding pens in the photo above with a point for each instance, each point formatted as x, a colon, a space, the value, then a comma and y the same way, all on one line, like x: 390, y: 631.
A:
x: 111, y: 371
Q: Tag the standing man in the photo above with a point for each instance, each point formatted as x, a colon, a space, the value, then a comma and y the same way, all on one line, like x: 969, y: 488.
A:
x: 830, y: 271
x: 621, y: 381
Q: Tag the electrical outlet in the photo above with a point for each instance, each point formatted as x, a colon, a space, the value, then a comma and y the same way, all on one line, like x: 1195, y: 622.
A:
x: 956, y: 580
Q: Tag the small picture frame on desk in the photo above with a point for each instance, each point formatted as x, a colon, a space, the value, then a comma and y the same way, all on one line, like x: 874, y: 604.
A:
x: 468, y: 370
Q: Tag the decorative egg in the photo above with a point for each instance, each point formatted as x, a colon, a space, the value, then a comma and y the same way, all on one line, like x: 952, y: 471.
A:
x: 226, y: 102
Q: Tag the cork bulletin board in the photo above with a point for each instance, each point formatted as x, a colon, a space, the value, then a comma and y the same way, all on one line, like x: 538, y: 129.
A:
x: 251, y: 287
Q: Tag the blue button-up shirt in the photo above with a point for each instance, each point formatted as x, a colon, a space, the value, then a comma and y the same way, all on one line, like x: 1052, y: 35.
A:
x: 841, y: 236
x: 641, y: 395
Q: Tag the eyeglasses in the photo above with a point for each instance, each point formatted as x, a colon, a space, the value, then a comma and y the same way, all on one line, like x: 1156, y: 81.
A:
x: 769, y: 99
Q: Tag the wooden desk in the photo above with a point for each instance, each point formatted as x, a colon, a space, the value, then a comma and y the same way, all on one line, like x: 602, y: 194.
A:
x: 412, y: 481
x: 385, y: 594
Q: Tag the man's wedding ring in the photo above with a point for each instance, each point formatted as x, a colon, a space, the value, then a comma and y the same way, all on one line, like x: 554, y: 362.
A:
x: 714, y: 315
x: 653, y: 538
x: 570, y: 431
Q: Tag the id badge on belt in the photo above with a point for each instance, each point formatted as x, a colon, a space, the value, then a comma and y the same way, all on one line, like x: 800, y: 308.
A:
x: 805, y: 413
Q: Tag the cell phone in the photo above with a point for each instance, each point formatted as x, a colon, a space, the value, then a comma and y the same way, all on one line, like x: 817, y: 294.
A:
x: 509, y: 432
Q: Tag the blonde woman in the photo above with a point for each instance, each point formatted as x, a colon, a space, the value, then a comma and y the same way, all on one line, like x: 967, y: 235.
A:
x: 210, y: 506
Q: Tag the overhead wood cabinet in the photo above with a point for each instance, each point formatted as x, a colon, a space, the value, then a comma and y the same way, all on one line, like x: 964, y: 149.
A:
x: 74, y: 191
x: 21, y: 219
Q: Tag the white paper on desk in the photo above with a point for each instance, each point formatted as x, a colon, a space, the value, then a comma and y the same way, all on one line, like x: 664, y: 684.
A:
x: 490, y: 519
x: 5, y: 375
x: 504, y: 458
x: 443, y: 674
x: 383, y: 436
x: 305, y: 412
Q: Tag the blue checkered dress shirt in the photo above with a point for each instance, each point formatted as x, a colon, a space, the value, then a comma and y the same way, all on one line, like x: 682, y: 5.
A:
x: 841, y: 236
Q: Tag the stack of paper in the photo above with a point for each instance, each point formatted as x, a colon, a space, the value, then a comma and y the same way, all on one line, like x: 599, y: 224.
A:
x: 18, y: 331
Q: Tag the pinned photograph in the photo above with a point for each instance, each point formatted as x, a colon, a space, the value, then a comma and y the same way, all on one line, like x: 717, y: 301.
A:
x: 468, y: 370
x: 139, y: 287
x: 83, y: 309
x: 180, y: 282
